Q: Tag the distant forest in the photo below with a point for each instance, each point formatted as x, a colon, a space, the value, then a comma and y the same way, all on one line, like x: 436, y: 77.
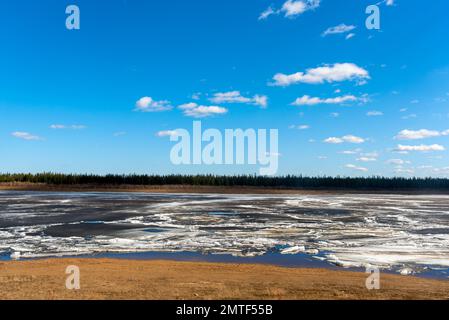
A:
x: 288, y: 181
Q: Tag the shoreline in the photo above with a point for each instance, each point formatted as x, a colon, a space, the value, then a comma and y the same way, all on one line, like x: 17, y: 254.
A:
x: 109, y: 279
x: 183, y: 189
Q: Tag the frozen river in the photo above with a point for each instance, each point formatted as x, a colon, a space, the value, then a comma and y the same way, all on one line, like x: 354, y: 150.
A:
x: 408, y: 233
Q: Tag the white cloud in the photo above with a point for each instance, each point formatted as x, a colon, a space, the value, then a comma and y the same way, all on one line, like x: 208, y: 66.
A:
x: 398, y: 162
x: 389, y: 2
x: 291, y: 8
x: 366, y: 159
x: 347, y: 138
x: 147, y: 104
x: 350, y: 152
x: 328, y: 73
x: 167, y: 133
x: 420, y: 148
x: 25, y: 136
x: 198, y: 111
x: 353, y: 139
x: 311, y: 101
x: 119, y: 133
x: 334, y: 140
x: 350, y: 36
x: 236, y: 97
x: 354, y: 167
x: 62, y: 127
x: 420, y: 134
x: 410, y: 116
x: 341, y: 28
x: 404, y: 171
x: 196, y: 96
x: 374, y: 113
x: 268, y: 12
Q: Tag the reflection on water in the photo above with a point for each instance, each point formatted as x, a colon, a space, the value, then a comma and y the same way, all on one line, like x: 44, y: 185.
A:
x: 390, y: 231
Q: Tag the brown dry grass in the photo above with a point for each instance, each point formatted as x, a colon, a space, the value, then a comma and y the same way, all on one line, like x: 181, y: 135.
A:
x: 154, y: 280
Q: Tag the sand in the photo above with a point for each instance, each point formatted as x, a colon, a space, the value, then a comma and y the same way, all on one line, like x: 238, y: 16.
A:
x: 107, y: 279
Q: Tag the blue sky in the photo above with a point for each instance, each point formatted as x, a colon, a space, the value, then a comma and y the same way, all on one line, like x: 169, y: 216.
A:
x: 368, y: 102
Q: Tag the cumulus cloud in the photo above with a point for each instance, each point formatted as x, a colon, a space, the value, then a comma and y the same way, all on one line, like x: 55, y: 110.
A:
x: 147, y: 104
x: 311, y: 101
x: 341, y: 28
x: 236, y: 97
x: 25, y: 136
x: 291, y: 8
x: 198, y: 111
x: 357, y: 168
x: 347, y: 138
x: 328, y: 73
x: 420, y: 134
x: 420, y: 148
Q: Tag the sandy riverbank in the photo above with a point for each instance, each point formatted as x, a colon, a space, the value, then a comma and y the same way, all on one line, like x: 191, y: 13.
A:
x: 132, y: 279
x: 202, y: 189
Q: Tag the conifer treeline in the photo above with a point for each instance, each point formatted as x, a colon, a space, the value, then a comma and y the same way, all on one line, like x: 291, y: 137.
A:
x: 289, y: 181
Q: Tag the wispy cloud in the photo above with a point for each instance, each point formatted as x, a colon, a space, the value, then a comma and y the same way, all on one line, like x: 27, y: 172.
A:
x: 366, y: 159
x: 398, y: 162
x: 328, y: 73
x: 300, y: 127
x: 72, y: 127
x: 420, y: 148
x: 341, y: 28
x: 374, y: 113
x: 347, y: 138
x: 25, y: 136
x: 420, y: 134
x: 167, y: 133
x: 357, y: 168
x: 311, y: 101
x: 350, y: 36
x: 199, y: 111
x: 236, y: 97
x: 351, y: 152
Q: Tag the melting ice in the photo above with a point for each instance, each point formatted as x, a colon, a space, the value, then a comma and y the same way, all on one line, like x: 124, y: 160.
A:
x: 387, y: 231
